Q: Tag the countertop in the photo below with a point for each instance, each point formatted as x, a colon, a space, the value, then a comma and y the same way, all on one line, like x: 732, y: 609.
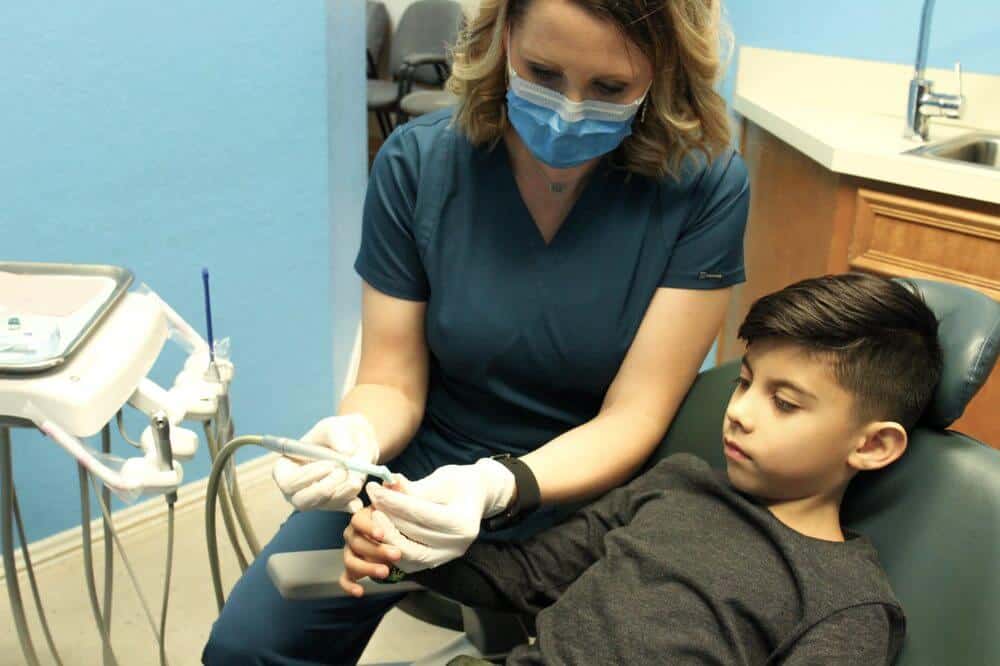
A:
x: 847, y: 115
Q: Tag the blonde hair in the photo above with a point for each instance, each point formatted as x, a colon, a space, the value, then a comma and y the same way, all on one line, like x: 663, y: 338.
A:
x: 683, y: 113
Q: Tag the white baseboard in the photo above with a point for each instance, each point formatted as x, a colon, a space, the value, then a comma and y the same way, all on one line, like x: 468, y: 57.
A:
x: 148, y: 515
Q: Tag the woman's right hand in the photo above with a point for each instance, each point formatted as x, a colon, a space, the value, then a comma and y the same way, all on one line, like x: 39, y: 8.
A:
x: 325, y: 484
x: 364, y: 552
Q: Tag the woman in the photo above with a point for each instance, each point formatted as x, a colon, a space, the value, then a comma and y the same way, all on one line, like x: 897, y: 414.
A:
x: 544, y: 268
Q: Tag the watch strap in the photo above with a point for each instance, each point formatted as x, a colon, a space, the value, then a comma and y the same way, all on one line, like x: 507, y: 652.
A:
x: 527, y: 496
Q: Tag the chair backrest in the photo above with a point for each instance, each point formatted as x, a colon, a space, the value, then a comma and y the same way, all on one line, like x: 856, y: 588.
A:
x: 426, y: 26
x: 934, y: 515
x: 376, y: 30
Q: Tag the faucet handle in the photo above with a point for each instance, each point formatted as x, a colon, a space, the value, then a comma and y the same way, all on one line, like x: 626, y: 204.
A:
x: 958, y: 75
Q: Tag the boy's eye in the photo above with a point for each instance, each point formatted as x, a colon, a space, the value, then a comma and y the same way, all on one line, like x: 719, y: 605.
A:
x: 784, y: 406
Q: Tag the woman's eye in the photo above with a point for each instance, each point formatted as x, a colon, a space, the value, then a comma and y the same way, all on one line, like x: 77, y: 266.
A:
x: 543, y: 74
x: 784, y: 406
x: 609, y: 91
x: 741, y: 383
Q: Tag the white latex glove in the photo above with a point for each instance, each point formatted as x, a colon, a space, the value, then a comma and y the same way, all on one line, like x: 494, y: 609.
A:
x: 325, y: 484
x: 435, y: 519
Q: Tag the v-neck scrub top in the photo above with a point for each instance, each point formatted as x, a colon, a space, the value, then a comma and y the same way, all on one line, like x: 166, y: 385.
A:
x: 526, y: 337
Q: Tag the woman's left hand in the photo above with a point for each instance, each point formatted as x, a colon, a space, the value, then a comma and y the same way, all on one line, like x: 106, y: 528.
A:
x: 438, y: 517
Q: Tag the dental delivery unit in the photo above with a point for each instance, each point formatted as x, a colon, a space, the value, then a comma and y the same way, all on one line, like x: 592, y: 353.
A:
x: 76, y: 346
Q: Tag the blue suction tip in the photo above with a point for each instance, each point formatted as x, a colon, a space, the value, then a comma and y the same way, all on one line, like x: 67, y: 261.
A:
x: 208, y: 314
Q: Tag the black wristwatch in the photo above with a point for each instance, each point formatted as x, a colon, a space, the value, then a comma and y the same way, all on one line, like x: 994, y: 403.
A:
x: 527, y: 496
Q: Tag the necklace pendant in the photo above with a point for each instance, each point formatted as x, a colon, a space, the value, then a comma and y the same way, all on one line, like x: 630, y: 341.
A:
x: 557, y: 188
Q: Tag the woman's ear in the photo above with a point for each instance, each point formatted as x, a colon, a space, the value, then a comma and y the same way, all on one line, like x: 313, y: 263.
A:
x: 881, y: 444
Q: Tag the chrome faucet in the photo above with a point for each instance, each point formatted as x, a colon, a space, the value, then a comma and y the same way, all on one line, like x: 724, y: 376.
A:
x: 924, y: 102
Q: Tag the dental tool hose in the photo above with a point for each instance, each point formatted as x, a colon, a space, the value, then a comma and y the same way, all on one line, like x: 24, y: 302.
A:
x: 227, y: 512
x: 164, y: 455
x: 231, y: 498
x: 284, y: 446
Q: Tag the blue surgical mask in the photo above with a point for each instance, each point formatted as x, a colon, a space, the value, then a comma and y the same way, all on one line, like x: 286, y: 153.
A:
x: 563, y: 133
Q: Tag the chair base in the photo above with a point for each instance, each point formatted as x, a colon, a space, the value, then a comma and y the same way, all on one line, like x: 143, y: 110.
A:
x: 439, y: 657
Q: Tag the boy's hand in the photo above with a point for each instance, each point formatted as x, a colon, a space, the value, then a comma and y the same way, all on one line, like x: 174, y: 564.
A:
x: 364, y: 552
x: 436, y: 519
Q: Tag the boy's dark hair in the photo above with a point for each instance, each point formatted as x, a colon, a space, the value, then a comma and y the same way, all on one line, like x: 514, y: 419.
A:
x: 881, y: 337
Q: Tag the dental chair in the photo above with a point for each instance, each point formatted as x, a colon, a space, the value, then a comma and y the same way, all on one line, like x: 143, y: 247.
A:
x: 934, y: 515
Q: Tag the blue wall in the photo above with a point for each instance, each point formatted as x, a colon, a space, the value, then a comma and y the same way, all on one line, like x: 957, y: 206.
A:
x: 170, y: 136
x: 965, y: 30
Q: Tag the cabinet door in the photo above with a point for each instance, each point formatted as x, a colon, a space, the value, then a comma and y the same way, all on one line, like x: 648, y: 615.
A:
x: 897, y: 235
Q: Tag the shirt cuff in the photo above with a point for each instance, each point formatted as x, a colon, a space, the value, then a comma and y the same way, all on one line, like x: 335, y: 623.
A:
x: 705, y: 279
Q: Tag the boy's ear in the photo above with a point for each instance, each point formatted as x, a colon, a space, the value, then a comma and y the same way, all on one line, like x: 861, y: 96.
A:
x: 883, y: 442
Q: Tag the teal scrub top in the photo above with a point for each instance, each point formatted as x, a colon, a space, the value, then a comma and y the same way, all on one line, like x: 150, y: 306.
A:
x: 526, y: 337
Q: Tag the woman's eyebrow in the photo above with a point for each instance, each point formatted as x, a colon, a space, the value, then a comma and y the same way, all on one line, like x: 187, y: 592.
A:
x: 616, y: 77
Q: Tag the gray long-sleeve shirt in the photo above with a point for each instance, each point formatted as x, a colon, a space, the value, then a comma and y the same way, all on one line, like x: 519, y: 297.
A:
x: 678, y: 567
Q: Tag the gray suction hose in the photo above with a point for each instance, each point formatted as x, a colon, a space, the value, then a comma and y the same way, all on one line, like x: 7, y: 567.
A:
x: 88, y: 566
x: 109, y: 559
x: 224, y: 433
x: 7, y: 534
x: 31, y: 579
x: 227, y: 515
x: 212, y: 493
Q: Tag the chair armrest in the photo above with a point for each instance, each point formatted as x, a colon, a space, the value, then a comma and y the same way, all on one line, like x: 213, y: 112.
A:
x: 408, y: 70
x: 418, y: 59
x: 313, y: 574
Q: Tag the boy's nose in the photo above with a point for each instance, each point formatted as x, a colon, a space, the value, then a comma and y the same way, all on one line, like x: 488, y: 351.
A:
x: 736, y: 415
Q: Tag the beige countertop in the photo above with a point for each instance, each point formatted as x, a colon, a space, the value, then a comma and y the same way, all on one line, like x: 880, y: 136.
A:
x: 848, y: 115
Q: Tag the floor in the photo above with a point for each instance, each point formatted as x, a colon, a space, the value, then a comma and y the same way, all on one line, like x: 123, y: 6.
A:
x: 192, y: 606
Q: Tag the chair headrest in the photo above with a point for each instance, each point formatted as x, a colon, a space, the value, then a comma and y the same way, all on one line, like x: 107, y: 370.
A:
x: 969, y: 333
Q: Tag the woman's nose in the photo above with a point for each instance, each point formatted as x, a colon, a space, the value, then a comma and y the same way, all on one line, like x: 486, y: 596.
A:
x: 574, y: 94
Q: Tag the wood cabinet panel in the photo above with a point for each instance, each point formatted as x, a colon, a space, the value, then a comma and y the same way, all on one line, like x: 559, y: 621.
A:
x: 896, y: 235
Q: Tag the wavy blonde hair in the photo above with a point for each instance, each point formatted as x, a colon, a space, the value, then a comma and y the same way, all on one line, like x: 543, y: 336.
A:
x: 683, y: 113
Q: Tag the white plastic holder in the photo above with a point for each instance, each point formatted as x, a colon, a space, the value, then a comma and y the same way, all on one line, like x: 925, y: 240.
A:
x: 183, y: 442
x: 129, y: 479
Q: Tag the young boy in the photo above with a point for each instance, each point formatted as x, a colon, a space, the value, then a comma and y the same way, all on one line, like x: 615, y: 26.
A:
x: 687, y: 564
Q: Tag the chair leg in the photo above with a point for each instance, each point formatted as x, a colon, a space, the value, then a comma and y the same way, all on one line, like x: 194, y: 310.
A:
x: 384, y: 124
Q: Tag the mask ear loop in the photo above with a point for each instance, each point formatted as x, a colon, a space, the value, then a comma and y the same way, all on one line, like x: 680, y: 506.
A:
x: 642, y: 114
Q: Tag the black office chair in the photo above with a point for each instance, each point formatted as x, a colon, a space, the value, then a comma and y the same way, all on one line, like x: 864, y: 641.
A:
x: 376, y: 35
x: 418, y: 54
x: 934, y: 515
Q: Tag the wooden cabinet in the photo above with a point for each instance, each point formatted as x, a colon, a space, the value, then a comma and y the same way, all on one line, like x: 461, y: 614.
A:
x: 806, y: 221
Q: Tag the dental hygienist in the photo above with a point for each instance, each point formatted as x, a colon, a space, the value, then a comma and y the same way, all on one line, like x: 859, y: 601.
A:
x: 545, y: 267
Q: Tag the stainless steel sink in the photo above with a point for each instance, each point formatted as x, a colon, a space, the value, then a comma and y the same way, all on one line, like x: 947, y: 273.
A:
x: 976, y: 148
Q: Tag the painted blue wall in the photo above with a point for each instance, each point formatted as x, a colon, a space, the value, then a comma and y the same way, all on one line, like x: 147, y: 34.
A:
x: 965, y: 30
x: 348, y: 153
x: 170, y: 136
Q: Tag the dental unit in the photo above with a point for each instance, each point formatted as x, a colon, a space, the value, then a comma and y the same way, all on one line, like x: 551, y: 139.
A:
x: 76, y: 346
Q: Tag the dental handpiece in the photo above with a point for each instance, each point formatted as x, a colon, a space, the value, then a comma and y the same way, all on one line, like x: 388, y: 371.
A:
x: 164, y: 451
x: 294, y: 447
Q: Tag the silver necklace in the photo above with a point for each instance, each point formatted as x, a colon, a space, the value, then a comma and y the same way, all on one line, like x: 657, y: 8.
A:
x: 555, y: 187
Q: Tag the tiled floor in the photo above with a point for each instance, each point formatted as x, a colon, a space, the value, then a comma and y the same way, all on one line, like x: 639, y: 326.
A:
x: 192, y: 604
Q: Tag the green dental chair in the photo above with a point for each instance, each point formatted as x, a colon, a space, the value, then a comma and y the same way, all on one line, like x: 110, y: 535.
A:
x: 934, y: 516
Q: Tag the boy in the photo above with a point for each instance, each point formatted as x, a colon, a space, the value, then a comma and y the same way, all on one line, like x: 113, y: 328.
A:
x: 748, y: 566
